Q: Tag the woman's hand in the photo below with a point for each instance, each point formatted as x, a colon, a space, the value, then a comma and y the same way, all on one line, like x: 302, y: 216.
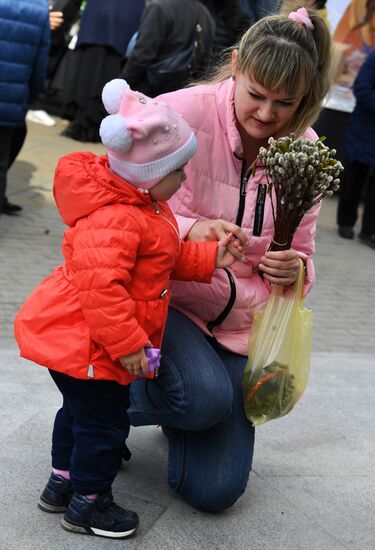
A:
x: 135, y: 363
x: 228, y: 251
x: 280, y: 267
x: 216, y: 230
x: 56, y: 19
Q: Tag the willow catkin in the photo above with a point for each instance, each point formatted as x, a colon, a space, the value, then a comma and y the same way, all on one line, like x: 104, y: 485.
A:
x: 300, y: 173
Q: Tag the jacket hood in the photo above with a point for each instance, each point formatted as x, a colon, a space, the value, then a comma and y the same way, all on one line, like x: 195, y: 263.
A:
x: 84, y: 182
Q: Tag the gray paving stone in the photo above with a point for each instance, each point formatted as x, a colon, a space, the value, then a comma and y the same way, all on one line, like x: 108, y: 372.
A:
x: 344, y: 510
x: 265, y: 519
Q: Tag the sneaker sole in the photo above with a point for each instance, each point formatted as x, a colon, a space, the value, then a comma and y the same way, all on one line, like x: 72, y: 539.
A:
x: 82, y: 530
x: 51, y: 508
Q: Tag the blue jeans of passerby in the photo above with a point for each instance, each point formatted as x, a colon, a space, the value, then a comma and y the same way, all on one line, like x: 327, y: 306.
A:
x: 89, y: 431
x: 198, y: 394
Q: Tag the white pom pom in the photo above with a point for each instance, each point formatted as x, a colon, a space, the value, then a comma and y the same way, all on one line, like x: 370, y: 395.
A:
x: 112, y: 94
x: 114, y: 133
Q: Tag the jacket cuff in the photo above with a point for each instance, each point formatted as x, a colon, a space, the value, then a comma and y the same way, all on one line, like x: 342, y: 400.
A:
x: 206, y: 270
x: 126, y: 347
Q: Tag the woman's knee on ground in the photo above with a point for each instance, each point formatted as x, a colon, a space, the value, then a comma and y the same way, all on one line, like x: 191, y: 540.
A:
x: 213, y: 498
x: 207, y: 405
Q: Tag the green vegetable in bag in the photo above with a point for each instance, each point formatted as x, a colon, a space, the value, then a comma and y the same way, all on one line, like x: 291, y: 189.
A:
x: 273, y: 390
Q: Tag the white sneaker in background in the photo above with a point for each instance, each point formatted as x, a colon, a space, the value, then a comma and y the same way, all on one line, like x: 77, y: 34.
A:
x: 40, y: 117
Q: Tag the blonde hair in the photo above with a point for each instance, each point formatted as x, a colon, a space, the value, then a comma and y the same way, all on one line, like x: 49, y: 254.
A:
x: 281, y: 54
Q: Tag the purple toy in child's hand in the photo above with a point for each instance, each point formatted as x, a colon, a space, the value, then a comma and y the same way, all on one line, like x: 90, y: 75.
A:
x: 153, y: 356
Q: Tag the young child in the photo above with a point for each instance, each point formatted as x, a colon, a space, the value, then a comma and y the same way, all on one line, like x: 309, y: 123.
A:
x: 90, y: 320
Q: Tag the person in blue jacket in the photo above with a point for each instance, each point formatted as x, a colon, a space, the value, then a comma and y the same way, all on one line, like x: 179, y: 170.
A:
x: 25, y: 35
x: 360, y: 160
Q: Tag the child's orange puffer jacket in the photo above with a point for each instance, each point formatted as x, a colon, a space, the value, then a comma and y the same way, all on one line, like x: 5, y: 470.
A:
x: 111, y: 295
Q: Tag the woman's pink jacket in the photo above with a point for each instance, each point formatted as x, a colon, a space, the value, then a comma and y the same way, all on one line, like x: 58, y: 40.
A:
x: 213, y: 190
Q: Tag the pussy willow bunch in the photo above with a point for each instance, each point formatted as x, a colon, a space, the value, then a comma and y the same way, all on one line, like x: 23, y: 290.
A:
x: 301, y: 173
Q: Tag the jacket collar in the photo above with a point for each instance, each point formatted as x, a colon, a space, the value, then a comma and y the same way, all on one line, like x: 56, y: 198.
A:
x: 227, y: 116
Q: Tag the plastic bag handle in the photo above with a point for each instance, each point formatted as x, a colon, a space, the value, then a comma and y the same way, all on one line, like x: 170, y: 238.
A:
x: 299, y: 284
x: 296, y: 289
x: 295, y: 294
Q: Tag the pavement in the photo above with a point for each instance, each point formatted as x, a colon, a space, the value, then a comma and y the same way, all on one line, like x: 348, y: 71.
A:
x: 312, y: 485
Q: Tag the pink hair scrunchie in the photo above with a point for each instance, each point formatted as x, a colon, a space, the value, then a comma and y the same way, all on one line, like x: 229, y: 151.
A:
x: 302, y: 18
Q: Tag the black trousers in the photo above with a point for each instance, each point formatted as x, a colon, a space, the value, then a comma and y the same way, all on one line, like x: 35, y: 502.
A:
x: 90, y: 431
x: 11, y: 140
x: 356, y: 176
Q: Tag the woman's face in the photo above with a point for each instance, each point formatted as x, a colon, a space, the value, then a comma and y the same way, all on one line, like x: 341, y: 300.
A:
x: 262, y: 113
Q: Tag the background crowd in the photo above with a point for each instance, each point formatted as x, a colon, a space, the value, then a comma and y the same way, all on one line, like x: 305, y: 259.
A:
x: 81, y: 45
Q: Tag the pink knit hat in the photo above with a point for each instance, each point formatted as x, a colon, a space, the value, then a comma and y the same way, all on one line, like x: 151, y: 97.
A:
x: 145, y: 139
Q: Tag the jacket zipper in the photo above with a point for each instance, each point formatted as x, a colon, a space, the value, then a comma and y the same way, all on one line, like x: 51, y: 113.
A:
x: 243, y: 191
x: 232, y: 284
x: 165, y: 292
x: 158, y: 211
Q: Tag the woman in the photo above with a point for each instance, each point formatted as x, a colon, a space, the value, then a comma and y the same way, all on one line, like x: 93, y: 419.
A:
x: 273, y: 85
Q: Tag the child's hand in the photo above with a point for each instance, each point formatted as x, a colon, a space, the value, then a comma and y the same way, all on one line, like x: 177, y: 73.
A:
x: 229, y: 250
x: 135, y: 363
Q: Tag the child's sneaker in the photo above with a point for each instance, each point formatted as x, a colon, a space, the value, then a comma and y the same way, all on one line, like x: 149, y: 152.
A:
x: 101, y: 517
x: 56, y: 495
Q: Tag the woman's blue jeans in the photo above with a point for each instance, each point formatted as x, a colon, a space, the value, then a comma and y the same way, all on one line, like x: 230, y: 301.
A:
x: 198, y: 396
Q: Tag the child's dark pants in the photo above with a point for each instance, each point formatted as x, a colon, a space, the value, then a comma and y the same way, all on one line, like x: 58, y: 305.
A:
x: 90, y: 431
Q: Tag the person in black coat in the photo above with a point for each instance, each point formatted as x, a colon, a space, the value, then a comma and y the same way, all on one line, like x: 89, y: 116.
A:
x: 70, y: 10
x: 105, y: 30
x: 360, y: 156
x: 63, y: 15
x: 167, y: 27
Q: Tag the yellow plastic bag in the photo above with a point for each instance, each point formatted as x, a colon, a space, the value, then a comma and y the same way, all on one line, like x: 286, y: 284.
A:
x: 278, y: 365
